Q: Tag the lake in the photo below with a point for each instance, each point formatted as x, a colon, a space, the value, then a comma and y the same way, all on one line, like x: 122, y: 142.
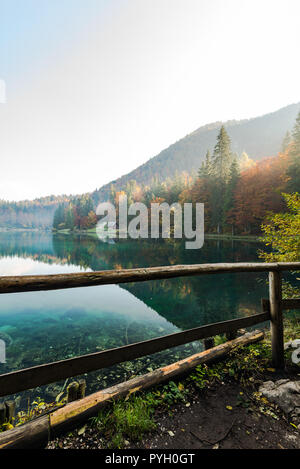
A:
x: 41, y: 327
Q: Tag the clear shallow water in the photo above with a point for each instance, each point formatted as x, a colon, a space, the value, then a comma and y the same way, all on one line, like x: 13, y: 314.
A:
x: 40, y: 327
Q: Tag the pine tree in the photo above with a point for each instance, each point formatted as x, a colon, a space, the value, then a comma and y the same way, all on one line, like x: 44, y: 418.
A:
x: 296, y: 137
x: 222, y: 157
x: 220, y: 170
x: 206, y: 166
x: 70, y: 219
x: 59, y: 216
x: 286, y: 141
x: 294, y: 153
x: 229, y: 192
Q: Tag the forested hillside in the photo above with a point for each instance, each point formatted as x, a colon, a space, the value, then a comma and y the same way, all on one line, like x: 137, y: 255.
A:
x: 237, y: 191
x: 36, y: 213
x: 258, y: 137
x: 174, y: 175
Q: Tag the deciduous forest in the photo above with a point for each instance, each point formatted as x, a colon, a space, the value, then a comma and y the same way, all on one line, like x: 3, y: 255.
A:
x: 237, y: 191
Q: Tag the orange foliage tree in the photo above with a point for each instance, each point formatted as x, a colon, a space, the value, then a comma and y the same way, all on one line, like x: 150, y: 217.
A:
x: 258, y: 192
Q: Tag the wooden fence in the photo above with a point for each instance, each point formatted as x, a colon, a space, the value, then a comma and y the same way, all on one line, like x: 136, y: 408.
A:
x: 272, y: 309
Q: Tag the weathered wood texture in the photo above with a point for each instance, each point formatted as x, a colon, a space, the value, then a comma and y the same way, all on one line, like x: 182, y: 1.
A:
x: 10, y: 410
x: 36, y: 433
x: 72, y: 391
x: 293, y: 303
x: 2, y: 413
x: 60, y: 281
x: 29, y: 378
x: 81, y: 388
x: 81, y: 410
x: 7, y: 411
x: 276, y: 319
x: 31, y: 435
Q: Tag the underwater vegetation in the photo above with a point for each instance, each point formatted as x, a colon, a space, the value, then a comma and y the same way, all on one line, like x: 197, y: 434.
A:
x: 43, y: 327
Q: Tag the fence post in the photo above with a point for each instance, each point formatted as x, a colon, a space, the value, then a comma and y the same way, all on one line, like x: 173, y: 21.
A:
x: 2, y: 413
x: 10, y: 410
x: 275, y: 297
x: 72, y: 391
x: 81, y: 389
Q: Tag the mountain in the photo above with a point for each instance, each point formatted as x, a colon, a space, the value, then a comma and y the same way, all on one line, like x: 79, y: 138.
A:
x: 258, y: 137
x: 36, y: 213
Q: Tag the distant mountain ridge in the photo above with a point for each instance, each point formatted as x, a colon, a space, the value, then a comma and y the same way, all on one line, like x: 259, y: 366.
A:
x: 259, y: 137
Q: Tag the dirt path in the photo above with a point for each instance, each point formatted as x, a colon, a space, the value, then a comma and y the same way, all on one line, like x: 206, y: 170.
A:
x: 210, y: 423
x: 218, y: 418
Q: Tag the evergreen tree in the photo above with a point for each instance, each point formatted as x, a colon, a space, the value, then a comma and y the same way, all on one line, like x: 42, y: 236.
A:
x: 70, y: 218
x: 221, y: 164
x: 59, y: 216
x: 222, y: 157
x: 79, y: 213
x: 294, y: 169
x: 206, y: 166
x: 230, y: 189
x: 286, y: 141
x: 296, y: 137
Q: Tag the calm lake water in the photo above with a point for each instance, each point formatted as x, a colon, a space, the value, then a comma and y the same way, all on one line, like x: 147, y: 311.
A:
x: 41, y: 327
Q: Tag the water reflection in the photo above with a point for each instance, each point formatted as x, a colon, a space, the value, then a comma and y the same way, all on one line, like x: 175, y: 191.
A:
x: 40, y: 327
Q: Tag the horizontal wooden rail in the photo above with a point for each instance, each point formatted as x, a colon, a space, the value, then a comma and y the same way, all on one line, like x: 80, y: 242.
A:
x: 36, y: 433
x: 26, y: 283
x: 293, y: 303
x: 29, y: 378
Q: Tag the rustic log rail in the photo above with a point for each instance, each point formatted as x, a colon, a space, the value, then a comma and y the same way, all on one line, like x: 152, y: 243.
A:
x: 26, y: 283
x: 29, y: 378
x: 37, y: 432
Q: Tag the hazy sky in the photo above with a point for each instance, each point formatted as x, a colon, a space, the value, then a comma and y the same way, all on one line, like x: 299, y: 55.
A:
x: 95, y: 88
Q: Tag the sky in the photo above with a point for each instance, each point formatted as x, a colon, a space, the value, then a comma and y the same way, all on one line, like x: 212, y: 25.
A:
x: 91, y: 89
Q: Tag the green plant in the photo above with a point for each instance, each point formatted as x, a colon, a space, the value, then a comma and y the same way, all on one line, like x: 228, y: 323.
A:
x: 220, y: 339
x: 173, y: 393
x: 203, y: 375
x: 34, y: 409
x: 125, y: 419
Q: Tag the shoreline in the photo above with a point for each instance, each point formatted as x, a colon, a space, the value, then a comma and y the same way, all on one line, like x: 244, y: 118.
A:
x: 226, y: 237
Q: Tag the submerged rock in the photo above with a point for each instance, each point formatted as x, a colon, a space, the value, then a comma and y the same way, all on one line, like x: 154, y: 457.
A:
x: 53, y: 390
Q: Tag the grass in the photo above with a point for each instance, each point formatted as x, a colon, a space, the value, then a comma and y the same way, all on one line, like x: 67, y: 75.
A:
x: 133, y: 418
x: 126, y: 419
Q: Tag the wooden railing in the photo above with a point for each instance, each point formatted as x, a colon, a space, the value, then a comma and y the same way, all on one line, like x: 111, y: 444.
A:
x: 29, y: 378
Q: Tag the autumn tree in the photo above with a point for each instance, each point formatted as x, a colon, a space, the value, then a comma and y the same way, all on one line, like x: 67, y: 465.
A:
x: 258, y: 191
x: 282, y: 232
